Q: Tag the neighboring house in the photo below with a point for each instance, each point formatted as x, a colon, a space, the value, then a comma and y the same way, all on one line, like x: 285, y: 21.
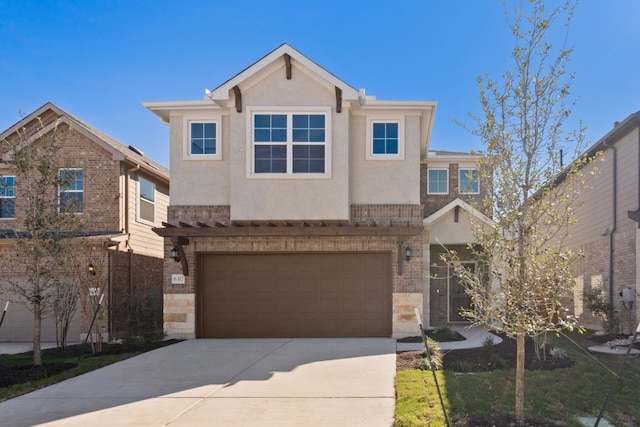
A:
x: 608, y: 225
x: 123, y: 195
x: 298, y: 207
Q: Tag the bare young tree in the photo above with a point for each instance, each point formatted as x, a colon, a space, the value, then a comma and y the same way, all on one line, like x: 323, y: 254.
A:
x: 526, y: 272
x: 46, y: 223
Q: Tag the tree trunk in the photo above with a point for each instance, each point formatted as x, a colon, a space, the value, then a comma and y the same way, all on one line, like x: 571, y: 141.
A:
x: 520, y: 353
x: 37, y: 327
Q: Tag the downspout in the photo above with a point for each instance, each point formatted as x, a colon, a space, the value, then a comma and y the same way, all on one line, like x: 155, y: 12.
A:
x: 130, y: 250
x: 126, y: 200
x: 613, y: 226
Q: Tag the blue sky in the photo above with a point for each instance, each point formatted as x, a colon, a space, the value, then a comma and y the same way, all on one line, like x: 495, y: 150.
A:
x: 99, y: 60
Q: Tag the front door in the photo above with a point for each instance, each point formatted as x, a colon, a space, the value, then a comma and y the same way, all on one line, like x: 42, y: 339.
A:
x: 458, y: 298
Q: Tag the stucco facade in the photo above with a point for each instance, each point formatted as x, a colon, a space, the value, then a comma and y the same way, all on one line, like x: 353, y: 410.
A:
x: 360, y: 199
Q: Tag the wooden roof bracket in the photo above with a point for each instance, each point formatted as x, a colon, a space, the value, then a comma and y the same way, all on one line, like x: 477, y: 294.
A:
x: 179, y: 243
x: 238, y: 94
x: 287, y: 62
x: 338, y: 100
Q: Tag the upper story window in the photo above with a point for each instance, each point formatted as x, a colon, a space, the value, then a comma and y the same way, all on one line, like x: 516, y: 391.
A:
x: 290, y: 143
x: 146, y: 200
x: 7, y: 197
x: 71, y: 190
x: 438, y: 181
x: 385, y: 139
x: 468, y: 181
x: 202, y: 138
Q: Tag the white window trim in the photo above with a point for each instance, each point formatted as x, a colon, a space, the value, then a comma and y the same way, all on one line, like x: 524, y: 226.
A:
x: 186, y: 137
x: 429, y: 181
x: 9, y: 197
x: 251, y: 111
x: 369, y: 135
x: 74, y: 191
x: 460, y: 169
x: 139, y: 198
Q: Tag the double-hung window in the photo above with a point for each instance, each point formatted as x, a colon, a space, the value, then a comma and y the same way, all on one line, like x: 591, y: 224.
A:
x: 468, y: 181
x: 71, y: 190
x: 146, y: 200
x: 438, y: 181
x: 7, y: 197
x: 287, y: 143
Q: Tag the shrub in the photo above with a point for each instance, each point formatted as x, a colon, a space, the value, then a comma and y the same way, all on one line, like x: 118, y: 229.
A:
x: 558, y: 353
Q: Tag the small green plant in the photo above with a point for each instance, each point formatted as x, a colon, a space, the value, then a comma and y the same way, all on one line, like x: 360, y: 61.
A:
x: 558, y: 353
x: 433, y: 345
x: 431, y: 360
x: 595, y: 300
x: 487, y: 344
x: 145, y: 319
x: 497, y: 362
x: 445, y: 334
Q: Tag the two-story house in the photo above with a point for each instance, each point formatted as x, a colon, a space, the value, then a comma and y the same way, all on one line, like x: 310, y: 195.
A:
x: 608, y: 226
x: 298, y: 207
x: 121, y: 194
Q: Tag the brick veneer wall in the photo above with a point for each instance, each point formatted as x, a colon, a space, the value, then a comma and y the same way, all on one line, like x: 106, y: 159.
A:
x: 593, y: 270
x: 101, y: 182
x: 410, y: 282
x: 433, y: 202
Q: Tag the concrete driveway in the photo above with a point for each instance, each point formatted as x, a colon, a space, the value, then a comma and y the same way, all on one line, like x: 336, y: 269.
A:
x: 237, y: 382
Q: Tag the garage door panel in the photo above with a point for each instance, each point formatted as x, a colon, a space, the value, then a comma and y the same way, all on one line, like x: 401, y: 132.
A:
x: 373, y: 305
x: 294, y: 295
x: 330, y: 286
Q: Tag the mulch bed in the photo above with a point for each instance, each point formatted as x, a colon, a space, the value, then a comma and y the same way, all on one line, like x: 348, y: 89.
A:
x: 10, y: 375
x: 482, y: 359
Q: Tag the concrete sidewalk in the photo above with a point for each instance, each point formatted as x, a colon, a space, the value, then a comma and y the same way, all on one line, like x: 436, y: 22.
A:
x: 23, y: 347
x: 475, y: 337
x: 239, y: 382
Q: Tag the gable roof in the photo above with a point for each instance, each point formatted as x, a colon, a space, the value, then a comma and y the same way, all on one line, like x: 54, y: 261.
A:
x: 283, y: 56
x: 49, y: 114
x: 619, y: 130
x: 222, y: 91
x: 459, y: 203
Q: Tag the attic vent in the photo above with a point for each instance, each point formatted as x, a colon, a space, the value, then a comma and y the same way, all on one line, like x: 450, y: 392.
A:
x: 135, y: 150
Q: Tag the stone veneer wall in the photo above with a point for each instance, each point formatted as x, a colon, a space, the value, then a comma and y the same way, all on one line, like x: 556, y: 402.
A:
x: 408, y: 287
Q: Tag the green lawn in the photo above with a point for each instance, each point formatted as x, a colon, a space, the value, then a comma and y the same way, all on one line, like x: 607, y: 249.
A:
x: 556, y: 395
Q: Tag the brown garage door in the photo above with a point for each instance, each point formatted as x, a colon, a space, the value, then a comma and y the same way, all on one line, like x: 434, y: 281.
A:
x: 294, y: 295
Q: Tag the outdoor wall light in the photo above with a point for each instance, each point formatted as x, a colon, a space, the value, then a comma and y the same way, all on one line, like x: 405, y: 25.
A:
x: 92, y: 269
x: 174, y: 254
x: 408, y: 253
